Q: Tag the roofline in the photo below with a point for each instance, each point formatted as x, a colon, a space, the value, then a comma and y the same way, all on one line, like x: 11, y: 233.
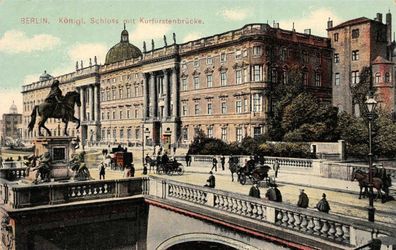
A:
x: 342, y: 25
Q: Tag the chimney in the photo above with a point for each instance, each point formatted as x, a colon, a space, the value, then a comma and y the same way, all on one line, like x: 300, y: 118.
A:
x: 389, y: 27
x: 330, y: 23
x: 378, y: 18
x: 307, y: 31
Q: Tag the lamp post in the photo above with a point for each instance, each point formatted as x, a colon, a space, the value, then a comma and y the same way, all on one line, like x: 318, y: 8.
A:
x: 371, y: 104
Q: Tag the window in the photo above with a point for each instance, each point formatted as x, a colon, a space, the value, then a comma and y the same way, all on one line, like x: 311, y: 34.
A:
x: 108, y: 115
x: 114, y: 134
x: 108, y: 95
x: 285, y: 76
x: 128, y: 114
x: 238, y: 76
x: 377, y: 77
x: 238, y: 106
x: 238, y: 134
x: 336, y: 58
x: 283, y: 54
x: 209, y: 60
x: 184, y: 110
x: 305, y: 78
x: 224, y: 134
x: 245, y: 75
x: 129, y: 134
x: 317, y: 79
x: 184, y: 84
x: 196, y: 62
x: 257, y: 72
x: 114, y: 113
x: 209, y: 108
x: 223, y: 79
x: 355, y: 33
x: 355, y: 77
x: 121, y: 134
x: 256, y: 103
x: 128, y: 92
x: 196, y: 82
x: 209, y: 80
x: 355, y: 55
x: 335, y: 37
x: 387, y: 77
x: 136, y: 113
x: 210, y: 132
x: 196, y: 109
x: 238, y: 54
x: 224, y: 108
x: 274, y: 77
x: 121, y: 93
x: 337, y: 79
x: 185, y: 134
x: 257, y: 132
x: 120, y: 114
x: 257, y: 51
x: 305, y: 57
x: 136, y: 90
x: 102, y: 98
x: 113, y: 93
x: 102, y: 115
x: 137, y: 133
x: 223, y: 57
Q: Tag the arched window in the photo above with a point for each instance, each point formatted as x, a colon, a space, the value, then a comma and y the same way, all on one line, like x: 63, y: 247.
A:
x: 318, y: 80
x: 377, y: 77
x: 387, y: 77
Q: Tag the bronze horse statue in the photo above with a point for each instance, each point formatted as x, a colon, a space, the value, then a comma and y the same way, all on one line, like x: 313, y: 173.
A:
x: 64, y: 111
x: 363, y: 180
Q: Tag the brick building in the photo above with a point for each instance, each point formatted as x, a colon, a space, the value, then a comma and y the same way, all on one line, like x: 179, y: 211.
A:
x: 359, y: 43
x: 11, y: 125
x: 218, y: 84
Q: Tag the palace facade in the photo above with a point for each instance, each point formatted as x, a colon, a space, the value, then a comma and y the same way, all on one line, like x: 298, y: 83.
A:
x: 219, y: 84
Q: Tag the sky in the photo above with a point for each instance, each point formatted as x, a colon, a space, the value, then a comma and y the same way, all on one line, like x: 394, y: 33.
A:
x: 68, y: 31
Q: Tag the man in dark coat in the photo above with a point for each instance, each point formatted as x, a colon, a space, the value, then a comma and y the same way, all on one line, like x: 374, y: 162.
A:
x: 214, y: 162
x: 222, y: 161
x: 303, y: 199
x: 211, y: 182
x: 323, y: 205
x: 55, y: 95
x: 274, y: 194
x: 165, y: 158
x: 254, y: 191
x: 276, y: 167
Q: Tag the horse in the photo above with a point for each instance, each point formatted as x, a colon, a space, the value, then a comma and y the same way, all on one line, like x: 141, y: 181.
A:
x: 234, y: 168
x: 152, y: 164
x: 363, y: 180
x: 65, y: 112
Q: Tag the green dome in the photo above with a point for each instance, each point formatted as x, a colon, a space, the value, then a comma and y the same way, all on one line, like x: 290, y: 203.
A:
x: 123, y: 50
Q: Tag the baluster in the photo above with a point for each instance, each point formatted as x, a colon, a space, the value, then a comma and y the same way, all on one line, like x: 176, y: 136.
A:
x: 279, y: 217
x: 259, y: 212
x: 345, y: 237
x: 222, y: 202
x: 244, y: 208
x: 339, y: 232
x: 285, y: 218
x: 304, y: 223
x: 216, y: 201
x: 254, y: 210
x: 297, y: 221
x: 229, y: 204
x: 249, y: 209
x: 325, y: 228
x: 317, y: 227
x: 290, y: 222
x: 332, y: 231
x: 310, y: 225
x: 234, y: 205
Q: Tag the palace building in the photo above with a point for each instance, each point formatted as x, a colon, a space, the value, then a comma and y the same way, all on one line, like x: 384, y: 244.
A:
x: 219, y: 84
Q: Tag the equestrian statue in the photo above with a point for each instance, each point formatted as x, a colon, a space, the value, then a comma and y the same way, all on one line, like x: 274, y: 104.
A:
x: 56, y: 106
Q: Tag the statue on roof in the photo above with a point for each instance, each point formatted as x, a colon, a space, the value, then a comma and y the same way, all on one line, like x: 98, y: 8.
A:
x: 144, y: 47
x: 166, y: 44
x: 152, y: 44
x: 174, y: 38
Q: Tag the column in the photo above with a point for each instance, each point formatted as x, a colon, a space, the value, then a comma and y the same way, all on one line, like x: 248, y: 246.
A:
x: 77, y: 109
x: 166, y: 92
x: 145, y: 97
x: 152, y: 94
x: 96, y: 116
x: 92, y: 102
x: 156, y: 95
x: 84, y: 106
x: 175, y: 112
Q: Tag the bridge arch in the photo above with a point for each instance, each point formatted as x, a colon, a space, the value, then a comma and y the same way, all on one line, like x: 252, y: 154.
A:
x: 205, y: 237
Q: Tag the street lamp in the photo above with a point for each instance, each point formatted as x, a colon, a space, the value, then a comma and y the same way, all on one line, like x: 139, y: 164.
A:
x: 371, y: 104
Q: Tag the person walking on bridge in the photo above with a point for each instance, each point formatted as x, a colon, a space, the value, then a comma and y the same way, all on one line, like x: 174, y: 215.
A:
x: 214, y: 162
x: 254, y: 191
x: 323, y: 204
x: 303, y: 199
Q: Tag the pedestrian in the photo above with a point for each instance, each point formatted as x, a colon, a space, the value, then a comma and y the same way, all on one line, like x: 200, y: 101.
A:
x: 132, y: 171
x: 214, y: 162
x: 323, y: 205
x: 222, y: 161
x: 303, y: 199
x: 276, y: 167
x: 211, y: 182
x: 189, y: 160
x: 186, y: 158
x: 254, y: 191
x: 102, y: 171
x: 144, y: 169
x: 274, y: 194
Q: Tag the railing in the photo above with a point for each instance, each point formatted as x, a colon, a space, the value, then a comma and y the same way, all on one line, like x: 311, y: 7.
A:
x: 13, y: 174
x: 333, y: 228
x: 20, y: 196
x: 344, y: 170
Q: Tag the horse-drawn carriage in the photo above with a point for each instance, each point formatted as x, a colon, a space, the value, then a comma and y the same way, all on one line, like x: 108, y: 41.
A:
x: 120, y: 158
x: 171, y: 167
x: 252, y: 171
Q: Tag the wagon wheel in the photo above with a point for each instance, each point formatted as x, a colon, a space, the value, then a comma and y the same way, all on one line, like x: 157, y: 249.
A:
x: 180, y: 170
x: 242, y: 179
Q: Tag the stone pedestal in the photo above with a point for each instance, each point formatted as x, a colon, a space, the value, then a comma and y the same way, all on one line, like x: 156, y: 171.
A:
x: 60, y: 149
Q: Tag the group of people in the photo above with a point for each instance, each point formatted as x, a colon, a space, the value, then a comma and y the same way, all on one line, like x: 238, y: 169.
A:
x: 274, y: 194
x: 214, y: 163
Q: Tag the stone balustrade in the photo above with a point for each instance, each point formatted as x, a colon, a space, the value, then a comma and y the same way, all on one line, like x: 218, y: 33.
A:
x: 344, y: 170
x: 19, y: 195
x: 13, y: 174
x: 328, y: 227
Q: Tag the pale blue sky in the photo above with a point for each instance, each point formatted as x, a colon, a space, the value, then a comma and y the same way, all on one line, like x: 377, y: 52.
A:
x: 26, y: 50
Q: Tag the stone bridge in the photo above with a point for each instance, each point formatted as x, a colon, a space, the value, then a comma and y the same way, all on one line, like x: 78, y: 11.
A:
x: 156, y: 213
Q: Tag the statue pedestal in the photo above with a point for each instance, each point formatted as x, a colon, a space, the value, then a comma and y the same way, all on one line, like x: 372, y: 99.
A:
x: 60, y: 149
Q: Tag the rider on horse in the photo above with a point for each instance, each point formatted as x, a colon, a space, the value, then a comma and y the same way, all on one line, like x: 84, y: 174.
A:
x: 55, y: 96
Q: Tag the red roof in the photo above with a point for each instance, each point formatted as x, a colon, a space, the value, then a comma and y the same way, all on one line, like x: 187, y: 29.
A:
x: 352, y: 22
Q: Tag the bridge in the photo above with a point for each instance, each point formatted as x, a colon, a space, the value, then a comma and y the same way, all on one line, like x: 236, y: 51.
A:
x: 157, y: 213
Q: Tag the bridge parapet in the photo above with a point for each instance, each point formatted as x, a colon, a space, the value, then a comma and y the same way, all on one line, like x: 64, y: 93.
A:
x: 327, y: 227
